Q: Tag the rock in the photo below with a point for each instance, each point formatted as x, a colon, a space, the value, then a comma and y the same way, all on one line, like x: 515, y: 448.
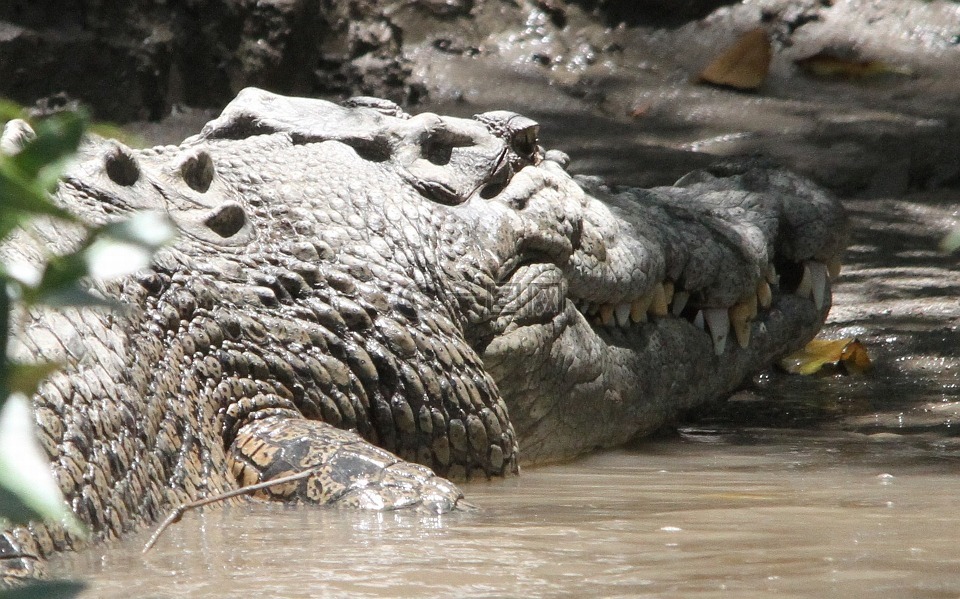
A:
x: 135, y: 60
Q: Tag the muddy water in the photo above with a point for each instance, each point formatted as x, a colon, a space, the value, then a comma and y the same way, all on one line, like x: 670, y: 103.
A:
x: 790, y: 515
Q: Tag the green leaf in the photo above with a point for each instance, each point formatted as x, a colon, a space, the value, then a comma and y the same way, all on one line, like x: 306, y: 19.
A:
x: 25, y: 378
x: 19, y: 193
x: 127, y: 246
x: 60, y: 277
x: 10, y: 219
x: 57, y: 138
x: 148, y: 229
x: 45, y: 589
x: 24, y: 469
x: 10, y: 110
x: 15, y: 510
x: 75, y: 296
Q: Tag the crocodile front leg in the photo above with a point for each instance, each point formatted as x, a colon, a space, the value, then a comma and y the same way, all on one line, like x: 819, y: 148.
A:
x: 350, y: 471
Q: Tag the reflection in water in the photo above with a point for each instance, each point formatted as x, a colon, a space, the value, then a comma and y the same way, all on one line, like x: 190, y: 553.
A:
x: 814, y: 517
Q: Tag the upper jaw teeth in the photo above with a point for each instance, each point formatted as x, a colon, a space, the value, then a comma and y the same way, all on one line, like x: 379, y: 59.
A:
x: 665, y: 300
x: 815, y: 281
x: 622, y: 314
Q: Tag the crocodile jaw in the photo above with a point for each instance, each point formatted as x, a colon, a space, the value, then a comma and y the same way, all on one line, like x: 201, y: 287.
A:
x: 646, y: 328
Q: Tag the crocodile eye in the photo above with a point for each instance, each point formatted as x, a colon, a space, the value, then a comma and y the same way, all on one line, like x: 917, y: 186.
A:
x: 437, y: 150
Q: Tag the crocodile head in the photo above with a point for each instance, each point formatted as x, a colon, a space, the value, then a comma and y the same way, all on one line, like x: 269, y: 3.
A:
x: 615, y: 310
x: 599, y: 313
x: 441, y: 285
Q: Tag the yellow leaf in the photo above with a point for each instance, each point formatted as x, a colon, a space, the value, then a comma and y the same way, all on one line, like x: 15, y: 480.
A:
x: 829, y: 63
x: 744, y: 65
x: 855, y: 359
x: 849, y: 354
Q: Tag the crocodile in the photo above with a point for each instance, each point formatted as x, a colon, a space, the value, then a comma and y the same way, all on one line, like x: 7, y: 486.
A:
x: 392, y: 302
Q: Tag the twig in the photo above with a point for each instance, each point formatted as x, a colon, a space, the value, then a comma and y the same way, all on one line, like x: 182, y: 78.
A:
x: 178, y: 512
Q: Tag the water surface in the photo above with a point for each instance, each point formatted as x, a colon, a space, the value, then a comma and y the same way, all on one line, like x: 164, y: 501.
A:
x: 762, y: 515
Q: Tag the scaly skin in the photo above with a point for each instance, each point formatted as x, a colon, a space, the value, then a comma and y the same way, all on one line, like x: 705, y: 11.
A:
x: 441, y: 287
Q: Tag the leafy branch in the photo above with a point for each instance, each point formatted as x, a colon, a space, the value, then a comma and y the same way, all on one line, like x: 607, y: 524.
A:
x: 32, y: 160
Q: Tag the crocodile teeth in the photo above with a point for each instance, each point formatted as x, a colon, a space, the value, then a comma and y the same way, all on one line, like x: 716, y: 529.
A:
x: 819, y: 282
x: 668, y: 291
x: 606, y: 314
x: 740, y: 316
x: 638, y: 309
x: 764, y: 295
x: 680, y: 301
x: 658, y: 303
x: 698, y: 320
x: 718, y: 321
x: 622, y: 314
x: 772, y: 277
x: 805, y: 288
x: 833, y: 267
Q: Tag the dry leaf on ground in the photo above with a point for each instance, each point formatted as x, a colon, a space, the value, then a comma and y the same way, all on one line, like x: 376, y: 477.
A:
x: 829, y: 63
x: 848, y: 354
x: 744, y: 65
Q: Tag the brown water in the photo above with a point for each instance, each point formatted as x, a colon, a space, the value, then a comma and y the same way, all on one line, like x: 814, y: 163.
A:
x: 801, y: 516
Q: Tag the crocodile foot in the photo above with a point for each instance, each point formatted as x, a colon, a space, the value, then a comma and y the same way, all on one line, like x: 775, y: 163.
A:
x: 350, y: 472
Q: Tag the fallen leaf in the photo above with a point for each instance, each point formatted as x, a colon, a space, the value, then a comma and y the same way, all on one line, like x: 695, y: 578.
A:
x: 833, y: 63
x: 744, y: 65
x: 848, y: 354
x: 640, y: 110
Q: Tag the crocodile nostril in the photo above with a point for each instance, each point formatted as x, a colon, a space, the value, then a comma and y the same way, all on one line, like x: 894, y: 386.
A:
x: 197, y: 171
x: 524, y: 141
x: 492, y: 190
x: 226, y: 220
x: 437, y: 152
x: 121, y: 167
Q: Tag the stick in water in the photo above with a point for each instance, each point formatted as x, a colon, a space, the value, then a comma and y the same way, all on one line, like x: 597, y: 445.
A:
x: 178, y: 512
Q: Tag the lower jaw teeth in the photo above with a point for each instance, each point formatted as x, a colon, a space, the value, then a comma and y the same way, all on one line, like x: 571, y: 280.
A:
x: 638, y: 309
x: 818, y: 276
x: 718, y: 321
x: 764, y: 295
x: 658, y: 303
x: 622, y: 314
x: 665, y: 300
